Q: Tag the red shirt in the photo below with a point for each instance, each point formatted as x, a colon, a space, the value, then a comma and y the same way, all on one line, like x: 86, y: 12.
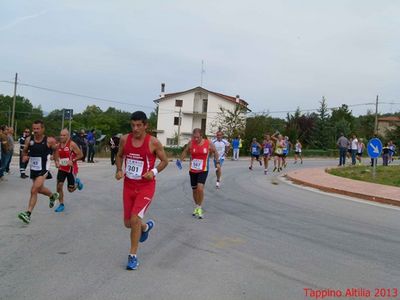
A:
x: 138, y: 160
x: 199, y: 156
x: 66, y: 154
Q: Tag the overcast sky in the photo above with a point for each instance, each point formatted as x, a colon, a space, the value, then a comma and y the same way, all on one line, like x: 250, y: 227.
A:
x: 276, y: 55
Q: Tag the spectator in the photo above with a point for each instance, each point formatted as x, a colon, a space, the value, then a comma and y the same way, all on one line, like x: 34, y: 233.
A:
x: 3, y: 150
x: 385, y: 155
x: 82, y: 143
x: 10, y: 137
x: 22, y: 164
x: 235, y: 146
x: 114, y: 144
x: 354, y: 147
x: 342, y: 144
x: 91, y: 138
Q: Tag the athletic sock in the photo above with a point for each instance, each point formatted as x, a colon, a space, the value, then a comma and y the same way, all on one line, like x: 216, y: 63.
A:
x: 28, y: 213
x: 132, y: 255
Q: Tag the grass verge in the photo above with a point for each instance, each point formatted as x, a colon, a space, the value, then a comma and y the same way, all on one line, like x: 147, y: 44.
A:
x: 389, y: 175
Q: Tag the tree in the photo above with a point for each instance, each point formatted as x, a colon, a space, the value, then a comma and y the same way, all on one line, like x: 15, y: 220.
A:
x: 322, y: 137
x: 231, y: 122
x: 342, y: 120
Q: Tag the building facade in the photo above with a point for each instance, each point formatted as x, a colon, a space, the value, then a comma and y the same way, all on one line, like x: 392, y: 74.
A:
x: 179, y: 113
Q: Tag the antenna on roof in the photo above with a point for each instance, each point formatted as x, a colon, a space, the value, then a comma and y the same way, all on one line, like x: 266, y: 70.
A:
x: 202, y: 72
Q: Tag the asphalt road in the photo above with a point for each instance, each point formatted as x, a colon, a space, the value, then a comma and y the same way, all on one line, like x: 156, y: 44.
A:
x: 261, y: 238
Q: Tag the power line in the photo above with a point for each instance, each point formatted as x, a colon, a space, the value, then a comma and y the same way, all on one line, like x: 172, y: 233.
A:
x: 76, y: 94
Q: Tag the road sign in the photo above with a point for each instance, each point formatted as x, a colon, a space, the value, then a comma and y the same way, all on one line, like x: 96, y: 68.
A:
x: 68, y: 114
x: 374, y: 147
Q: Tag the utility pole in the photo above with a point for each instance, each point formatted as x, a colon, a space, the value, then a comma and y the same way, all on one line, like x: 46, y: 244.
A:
x: 9, y: 116
x: 14, y: 100
x: 376, y: 117
x: 179, y: 125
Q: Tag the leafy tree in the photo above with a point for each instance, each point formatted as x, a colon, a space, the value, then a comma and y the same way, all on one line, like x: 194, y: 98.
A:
x: 231, y: 122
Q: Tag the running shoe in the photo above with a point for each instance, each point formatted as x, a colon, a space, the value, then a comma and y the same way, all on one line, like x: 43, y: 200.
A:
x: 60, y: 208
x: 260, y: 162
x: 265, y: 172
x: 25, y: 217
x: 279, y: 169
x: 132, y: 263
x: 274, y: 169
x: 200, y: 213
x: 250, y: 168
x: 195, y: 213
x: 53, y: 199
x: 79, y: 183
x: 217, y: 184
x: 145, y: 234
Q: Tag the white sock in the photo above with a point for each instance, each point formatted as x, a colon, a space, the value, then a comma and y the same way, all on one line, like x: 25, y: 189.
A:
x: 147, y: 228
x: 132, y: 255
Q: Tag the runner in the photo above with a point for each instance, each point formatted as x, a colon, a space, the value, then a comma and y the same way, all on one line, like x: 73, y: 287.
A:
x: 360, y: 150
x: 139, y: 151
x: 200, y: 150
x: 66, y: 157
x: 268, y: 145
x: 38, y: 149
x: 23, y: 165
x: 297, y: 152
x: 278, y: 153
x: 222, y: 146
x: 286, y: 149
x: 392, y: 151
x: 255, y: 148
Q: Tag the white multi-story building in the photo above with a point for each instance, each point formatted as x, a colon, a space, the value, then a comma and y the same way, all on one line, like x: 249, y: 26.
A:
x: 194, y: 108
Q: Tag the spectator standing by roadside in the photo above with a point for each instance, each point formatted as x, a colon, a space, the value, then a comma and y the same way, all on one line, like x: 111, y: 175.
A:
x: 10, y: 133
x: 114, y: 144
x: 82, y: 143
x: 235, y: 147
x: 360, y: 150
x: 342, y: 144
x: 392, y: 151
x: 354, y: 147
x: 91, y: 138
x: 3, y: 150
x: 22, y: 164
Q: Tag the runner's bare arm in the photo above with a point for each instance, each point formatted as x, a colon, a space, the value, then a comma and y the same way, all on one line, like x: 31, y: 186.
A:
x: 185, y: 151
x: 216, y: 156
x: 56, y: 158
x: 118, y: 159
x: 158, y: 149
x: 25, y: 156
x: 77, y: 151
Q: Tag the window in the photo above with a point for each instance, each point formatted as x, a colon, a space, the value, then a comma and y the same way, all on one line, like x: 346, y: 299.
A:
x: 171, y: 142
x: 203, y: 126
x: 205, y: 103
x: 178, y: 103
x: 176, y: 120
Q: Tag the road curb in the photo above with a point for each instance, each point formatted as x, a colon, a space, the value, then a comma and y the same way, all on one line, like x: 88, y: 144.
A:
x: 342, y: 192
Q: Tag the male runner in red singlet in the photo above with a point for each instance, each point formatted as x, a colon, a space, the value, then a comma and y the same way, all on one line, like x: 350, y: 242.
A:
x: 139, y: 151
x: 199, y: 150
x: 66, y: 157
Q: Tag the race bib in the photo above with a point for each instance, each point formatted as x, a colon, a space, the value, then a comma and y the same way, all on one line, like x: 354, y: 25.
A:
x: 266, y: 150
x: 279, y: 151
x: 134, y: 169
x: 36, y: 163
x: 64, y: 162
x: 197, y: 164
x: 254, y: 149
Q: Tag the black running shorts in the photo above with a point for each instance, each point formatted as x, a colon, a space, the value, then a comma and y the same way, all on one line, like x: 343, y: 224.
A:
x: 196, y: 178
x: 62, y: 175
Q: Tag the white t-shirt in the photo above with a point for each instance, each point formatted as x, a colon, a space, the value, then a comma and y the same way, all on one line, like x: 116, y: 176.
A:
x: 354, y: 143
x: 220, y: 147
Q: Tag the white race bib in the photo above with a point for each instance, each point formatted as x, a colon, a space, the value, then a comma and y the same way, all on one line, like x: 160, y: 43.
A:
x: 266, y: 150
x: 197, y: 164
x: 36, y: 163
x: 64, y: 162
x: 134, y: 168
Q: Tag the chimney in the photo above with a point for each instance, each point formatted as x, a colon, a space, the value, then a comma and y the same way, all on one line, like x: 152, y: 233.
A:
x: 162, y: 90
x: 237, y: 99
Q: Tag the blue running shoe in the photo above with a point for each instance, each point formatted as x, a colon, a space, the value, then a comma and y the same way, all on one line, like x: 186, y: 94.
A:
x: 145, y: 234
x: 179, y: 164
x: 60, y: 208
x: 132, y: 263
x: 79, y: 183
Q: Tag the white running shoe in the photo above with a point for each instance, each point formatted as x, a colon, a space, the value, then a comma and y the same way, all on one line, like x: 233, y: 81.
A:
x: 217, y: 184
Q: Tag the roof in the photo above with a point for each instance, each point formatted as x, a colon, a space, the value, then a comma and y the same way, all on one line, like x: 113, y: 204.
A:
x: 226, y: 97
x: 389, y: 119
